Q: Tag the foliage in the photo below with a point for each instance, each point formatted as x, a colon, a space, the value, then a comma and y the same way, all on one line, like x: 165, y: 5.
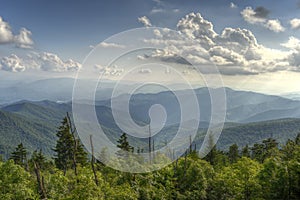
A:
x: 34, y: 124
x: 262, y: 171
x: 19, y: 155
x: 15, y: 182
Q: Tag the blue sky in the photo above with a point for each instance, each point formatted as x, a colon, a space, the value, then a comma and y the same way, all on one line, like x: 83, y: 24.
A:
x: 67, y: 29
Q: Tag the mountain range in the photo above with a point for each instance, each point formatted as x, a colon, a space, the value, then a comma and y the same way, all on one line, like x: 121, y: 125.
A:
x: 251, y: 117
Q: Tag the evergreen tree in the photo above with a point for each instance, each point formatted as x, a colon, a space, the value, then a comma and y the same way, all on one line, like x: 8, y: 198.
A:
x: 233, y: 153
x: 288, y: 150
x: 258, y: 152
x: 246, y: 152
x: 269, y: 145
x: 64, y: 149
x: 211, y: 156
x: 39, y: 158
x: 124, y: 145
x: 297, y: 140
x: 20, y: 155
x: 81, y: 154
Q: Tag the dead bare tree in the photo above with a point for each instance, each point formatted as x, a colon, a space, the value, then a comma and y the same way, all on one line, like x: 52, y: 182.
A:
x: 153, y: 154
x: 40, y: 181
x: 150, y: 157
x: 190, y: 144
x: 73, y: 131
x: 93, y: 161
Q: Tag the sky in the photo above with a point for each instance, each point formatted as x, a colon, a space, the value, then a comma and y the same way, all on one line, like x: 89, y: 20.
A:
x: 255, y: 44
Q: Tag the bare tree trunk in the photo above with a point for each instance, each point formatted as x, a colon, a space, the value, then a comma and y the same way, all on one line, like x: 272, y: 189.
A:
x: 153, y: 154
x: 175, y: 173
x: 93, y: 161
x: 185, y: 165
x: 289, y: 182
x: 40, y: 181
x: 150, y: 144
x: 26, y: 164
x: 73, y: 131
x: 190, y: 144
x: 65, y: 170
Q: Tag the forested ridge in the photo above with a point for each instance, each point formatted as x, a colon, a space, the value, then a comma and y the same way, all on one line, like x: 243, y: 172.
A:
x: 265, y: 170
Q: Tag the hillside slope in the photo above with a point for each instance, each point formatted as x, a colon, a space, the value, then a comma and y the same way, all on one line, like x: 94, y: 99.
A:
x: 15, y: 129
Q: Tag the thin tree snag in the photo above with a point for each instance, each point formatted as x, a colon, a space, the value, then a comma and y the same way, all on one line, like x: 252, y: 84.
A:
x: 150, y: 145
x: 190, y: 144
x: 93, y: 161
x: 153, y: 154
x: 40, y: 181
x: 73, y: 131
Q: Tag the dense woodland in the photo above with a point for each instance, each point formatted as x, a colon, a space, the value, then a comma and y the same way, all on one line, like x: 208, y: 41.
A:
x: 265, y: 170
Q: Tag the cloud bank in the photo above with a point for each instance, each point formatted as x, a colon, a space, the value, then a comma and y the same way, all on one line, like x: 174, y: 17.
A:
x: 43, y: 61
x: 235, y: 51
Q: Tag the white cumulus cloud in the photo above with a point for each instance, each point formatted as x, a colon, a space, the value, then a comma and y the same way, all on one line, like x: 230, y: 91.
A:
x: 12, y: 63
x: 43, y: 61
x: 194, y: 25
x: 249, y: 16
x: 226, y: 56
x: 292, y: 43
x: 295, y: 23
x: 259, y: 17
x: 6, y: 35
x: 234, y: 50
x: 52, y: 62
x: 274, y: 25
x: 22, y: 40
x: 145, y: 21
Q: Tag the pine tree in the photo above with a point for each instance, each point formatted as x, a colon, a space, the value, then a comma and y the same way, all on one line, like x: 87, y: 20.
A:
x: 67, y: 148
x: 233, y: 153
x: 39, y: 158
x: 81, y: 154
x: 63, y: 149
x: 124, y: 145
x: 211, y: 156
x: 297, y: 140
x: 20, y: 155
x: 246, y: 152
x: 258, y: 152
x: 269, y: 145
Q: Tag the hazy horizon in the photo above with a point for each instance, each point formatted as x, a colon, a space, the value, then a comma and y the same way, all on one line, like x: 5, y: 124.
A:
x: 255, y: 49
